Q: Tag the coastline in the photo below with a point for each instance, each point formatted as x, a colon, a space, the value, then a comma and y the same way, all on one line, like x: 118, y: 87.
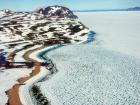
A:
x: 26, y: 82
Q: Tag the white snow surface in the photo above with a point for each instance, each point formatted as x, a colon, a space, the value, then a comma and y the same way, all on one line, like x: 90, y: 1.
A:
x: 2, y: 14
x: 105, y: 72
x: 7, y: 37
x: 25, y: 97
x: 19, y: 55
x: 24, y: 91
x: 8, y: 79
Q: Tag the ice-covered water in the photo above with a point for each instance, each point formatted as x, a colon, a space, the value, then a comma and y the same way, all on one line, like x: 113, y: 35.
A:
x: 106, y: 72
x: 118, y: 31
x: 93, y: 76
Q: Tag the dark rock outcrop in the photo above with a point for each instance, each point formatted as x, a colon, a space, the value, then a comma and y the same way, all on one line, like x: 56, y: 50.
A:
x: 134, y: 9
x: 57, y: 11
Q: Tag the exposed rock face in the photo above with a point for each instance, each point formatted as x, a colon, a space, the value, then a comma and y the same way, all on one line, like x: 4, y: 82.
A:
x: 49, y: 12
x: 134, y: 9
x: 6, y: 11
x: 57, y: 11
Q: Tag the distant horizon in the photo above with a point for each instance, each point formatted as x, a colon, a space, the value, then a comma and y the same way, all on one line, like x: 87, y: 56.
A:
x: 104, y: 9
x: 82, y: 10
x: 30, y: 5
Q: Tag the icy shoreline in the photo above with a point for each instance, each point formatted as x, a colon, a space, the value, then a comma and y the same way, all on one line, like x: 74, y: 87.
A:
x: 103, y: 73
x: 111, y: 77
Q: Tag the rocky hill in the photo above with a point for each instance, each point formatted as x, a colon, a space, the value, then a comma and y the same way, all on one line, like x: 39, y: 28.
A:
x: 50, y: 25
x: 57, y: 11
x: 134, y: 9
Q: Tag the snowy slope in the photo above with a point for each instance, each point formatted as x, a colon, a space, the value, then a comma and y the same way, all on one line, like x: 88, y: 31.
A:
x: 21, y: 32
x: 5, y: 12
x: 37, y: 28
x: 57, y: 11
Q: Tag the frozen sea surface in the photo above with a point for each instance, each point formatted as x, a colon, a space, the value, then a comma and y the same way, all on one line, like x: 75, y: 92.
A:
x: 105, y: 72
x: 91, y: 75
x: 118, y: 31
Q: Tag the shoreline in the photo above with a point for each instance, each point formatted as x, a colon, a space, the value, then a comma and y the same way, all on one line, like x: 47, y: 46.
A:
x: 14, y: 92
x: 31, y: 56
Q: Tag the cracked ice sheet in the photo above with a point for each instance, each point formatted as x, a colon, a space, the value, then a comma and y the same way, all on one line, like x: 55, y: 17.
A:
x: 92, y: 76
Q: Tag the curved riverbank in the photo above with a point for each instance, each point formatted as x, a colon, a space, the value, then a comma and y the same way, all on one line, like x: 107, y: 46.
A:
x: 38, y: 95
x: 26, y: 91
x: 23, y: 90
x: 13, y: 93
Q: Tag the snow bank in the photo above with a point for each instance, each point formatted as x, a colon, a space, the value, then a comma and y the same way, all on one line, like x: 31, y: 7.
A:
x: 35, y: 54
x: 19, y: 55
x: 8, y: 78
x: 24, y: 93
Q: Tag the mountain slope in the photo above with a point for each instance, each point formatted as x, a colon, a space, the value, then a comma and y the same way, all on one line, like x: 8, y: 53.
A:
x: 50, y: 25
x: 57, y: 11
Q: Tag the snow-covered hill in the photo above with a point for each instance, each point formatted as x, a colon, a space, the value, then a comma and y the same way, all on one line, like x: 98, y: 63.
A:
x: 104, y: 72
x: 50, y: 25
x: 57, y: 11
x: 47, y: 12
x: 21, y: 32
x: 5, y: 12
